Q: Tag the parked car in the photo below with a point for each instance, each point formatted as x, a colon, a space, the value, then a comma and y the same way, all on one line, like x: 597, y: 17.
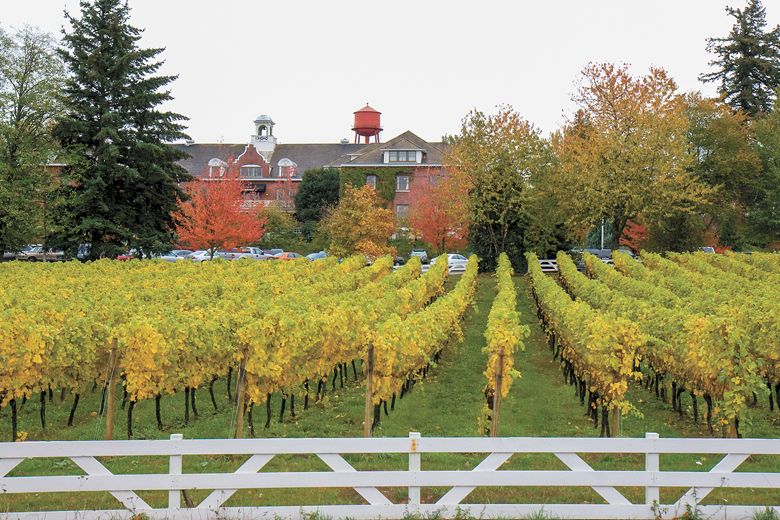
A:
x: 205, y: 256
x: 288, y: 256
x: 422, y: 254
x: 317, y: 256
x: 273, y: 252
x: 14, y: 255
x: 707, y: 249
x: 176, y: 255
x: 39, y: 254
x: 252, y: 253
x: 455, y: 261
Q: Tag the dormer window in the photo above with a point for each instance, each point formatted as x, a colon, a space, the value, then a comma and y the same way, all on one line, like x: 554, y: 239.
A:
x: 402, y: 156
x: 251, y: 171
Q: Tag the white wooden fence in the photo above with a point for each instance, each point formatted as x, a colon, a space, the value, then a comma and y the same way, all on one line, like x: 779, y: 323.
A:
x: 97, y: 478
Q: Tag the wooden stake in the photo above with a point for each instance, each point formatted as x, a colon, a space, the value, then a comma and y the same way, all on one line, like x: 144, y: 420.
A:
x: 111, y: 397
x: 614, y: 422
x: 497, y: 394
x: 368, y: 414
x: 240, y: 398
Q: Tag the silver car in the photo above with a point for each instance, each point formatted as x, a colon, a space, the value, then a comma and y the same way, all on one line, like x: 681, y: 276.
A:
x: 176, y: 255
x: 39, y: 254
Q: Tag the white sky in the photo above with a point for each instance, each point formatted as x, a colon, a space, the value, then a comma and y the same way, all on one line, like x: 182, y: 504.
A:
x: 424, y: 64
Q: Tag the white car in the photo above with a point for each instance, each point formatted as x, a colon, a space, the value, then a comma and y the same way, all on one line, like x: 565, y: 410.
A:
x: 205, y: 256
x: 176, y: 255
x: 455, y: 262
x: 251, y: 253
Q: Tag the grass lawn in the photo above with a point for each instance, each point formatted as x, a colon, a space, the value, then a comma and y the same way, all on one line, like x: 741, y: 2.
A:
x: 447, y: 403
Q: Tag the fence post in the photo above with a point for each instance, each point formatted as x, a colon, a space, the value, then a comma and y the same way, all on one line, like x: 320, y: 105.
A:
x: 652, y: 464
x: 174, y: 468
x: 368, y: 414
x: 497, y: 393
x: 414, y: 466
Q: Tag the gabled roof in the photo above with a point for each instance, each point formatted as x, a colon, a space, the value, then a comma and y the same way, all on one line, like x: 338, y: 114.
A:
x: 200, y: 155
x: 372, y: 154
x: 315, y: 155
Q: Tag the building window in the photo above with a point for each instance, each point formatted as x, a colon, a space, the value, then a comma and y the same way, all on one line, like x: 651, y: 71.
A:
x: 401, y: 211
x: 402, y: 156
x: 371, y: 180
x: 402, y: 183
x: 251, y: 171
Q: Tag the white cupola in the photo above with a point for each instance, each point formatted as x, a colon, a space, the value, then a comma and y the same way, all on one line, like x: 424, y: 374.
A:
x: 263, y: 139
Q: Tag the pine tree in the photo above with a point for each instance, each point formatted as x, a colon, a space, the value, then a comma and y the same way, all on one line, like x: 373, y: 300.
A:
x: 748, y: 60
x: 122, y: 187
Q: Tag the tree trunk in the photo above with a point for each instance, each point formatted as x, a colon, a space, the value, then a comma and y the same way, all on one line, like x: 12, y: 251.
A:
x: 73, y: 409
x: 211, y: 394
x: 186, y: 405
x: 229, y: 378
x: 157, y: 414
x: 130, y: 418
x: 192, y: 402
x: 14, y: 420
x: 43, y: 410
x: 250, y: 422
x: 268, y: 410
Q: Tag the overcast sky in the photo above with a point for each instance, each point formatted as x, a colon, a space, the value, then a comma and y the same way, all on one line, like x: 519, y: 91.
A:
x: 424, y: 64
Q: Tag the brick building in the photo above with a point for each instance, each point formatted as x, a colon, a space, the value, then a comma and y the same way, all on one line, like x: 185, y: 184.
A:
x: 273, y: 170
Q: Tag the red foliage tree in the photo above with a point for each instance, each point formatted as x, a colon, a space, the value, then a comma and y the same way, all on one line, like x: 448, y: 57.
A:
x: 215, y: 216
x: 439, y: 213
x: 634, y: 236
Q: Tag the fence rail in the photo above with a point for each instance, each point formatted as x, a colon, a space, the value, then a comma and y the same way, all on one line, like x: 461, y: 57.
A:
x: 97, y: 478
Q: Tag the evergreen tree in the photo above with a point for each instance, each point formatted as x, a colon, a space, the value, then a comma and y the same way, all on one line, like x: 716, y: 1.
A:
x: 748, y: 60
x: 122, y: 186
x: 318, y: 191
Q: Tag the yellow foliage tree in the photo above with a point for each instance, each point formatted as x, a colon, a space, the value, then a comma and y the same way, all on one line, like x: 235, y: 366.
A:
x: 360, y: 224
x: 626, y: 152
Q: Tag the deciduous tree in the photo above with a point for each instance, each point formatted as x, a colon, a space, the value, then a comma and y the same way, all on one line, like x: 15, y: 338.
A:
x: 360, y: 224
x: 215, y: 216
x: 30, y: 81
x: 764, y: 217
x: 439, y: 212
x: 122, y: 187
x: 498, y: 158
x: 627, y: 153
x: 725, y: 158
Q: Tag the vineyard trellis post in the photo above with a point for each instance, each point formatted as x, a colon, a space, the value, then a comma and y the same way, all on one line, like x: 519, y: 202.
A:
x: 240, y: 400
x: 368, y: 414
x: 497, y: 393
x: 111, y: 393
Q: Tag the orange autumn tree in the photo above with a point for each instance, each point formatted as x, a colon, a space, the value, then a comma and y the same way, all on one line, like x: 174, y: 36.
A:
x: 439, y: 213
x: 214, y: 217
x: 634, y: 236
x: 360, y: 224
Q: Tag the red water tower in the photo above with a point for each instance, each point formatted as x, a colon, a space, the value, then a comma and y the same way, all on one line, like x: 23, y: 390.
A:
x: 367, y: 124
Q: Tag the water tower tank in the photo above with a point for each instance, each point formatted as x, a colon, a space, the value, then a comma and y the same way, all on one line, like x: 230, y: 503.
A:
x: 367, y: 124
